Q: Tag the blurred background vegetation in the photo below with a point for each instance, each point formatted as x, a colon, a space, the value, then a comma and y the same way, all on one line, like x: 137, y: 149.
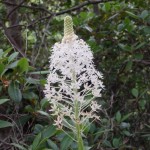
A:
x: 118, y: 32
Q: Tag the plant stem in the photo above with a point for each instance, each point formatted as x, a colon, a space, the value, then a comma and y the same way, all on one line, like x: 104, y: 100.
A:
x: 79, y: 137
x: 77, y: 117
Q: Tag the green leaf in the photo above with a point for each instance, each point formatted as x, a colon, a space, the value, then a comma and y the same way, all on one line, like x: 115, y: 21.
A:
x: 4, y: 124
x: 14, y: 92
x: 126, y: 116
x: 142, y: 103
x: 66, y: 142
x: 106, y: 7
x: 144, y: 14
x: 12, y: 56
x: 147, y: 30
x: 125, y: 47
x: 12, y: 65
x: 52, y: 144
x: 127, y: 133
x: 135, y: 92
x: 3, y: 101
x: 29, y: 108
x: 107, y: 143
x: 128, y: 66
x: 7, y: 51
x: 2, y: 67
x: 48, y: 132
x: 43, y: 113
x: 36, y: 141
x: 38, y: 128
x: 23, y: 65
x: 118, y: 116
x: 30, y: 95
x: 140, y: 45
x: 32, y: 81
x: 138, y: 56
x: 116, y: 142
x: 120, y: 27
x: 44, y: 102
x: 132, y: 15
x: 22, y: 120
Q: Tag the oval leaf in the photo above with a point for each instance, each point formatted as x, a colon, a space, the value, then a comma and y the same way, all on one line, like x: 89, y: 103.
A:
x: 135, y: 92
x: 4, y: 124
x: 12, y: 56
x: 23, y: 65
x: 118, y: 116
x: 14, y: 92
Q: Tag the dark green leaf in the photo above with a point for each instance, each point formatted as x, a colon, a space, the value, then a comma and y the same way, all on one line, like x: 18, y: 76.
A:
x: 144, y: 14
x: 12, y: 56
x: 126, y: 116
x: 4, y: 124
x: 66, y: 142
x: 23, y: 65
x: 129, y: 66
x: 48, y: 132
x: 118, y: 116
x: 116, y: 142
x: 36, y: 142
x: 2, y: 67
x: 52, y: 144
x: 3, y: 101
x: 43, y: 113
x: 14, y: 92
x: 138, y: 56
x: 127, y: 133
x: 107, y: 143
x: 135, y: 92
x: 132, y: 14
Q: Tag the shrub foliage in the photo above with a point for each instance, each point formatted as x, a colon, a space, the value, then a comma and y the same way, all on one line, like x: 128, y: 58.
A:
x: 118, y: 32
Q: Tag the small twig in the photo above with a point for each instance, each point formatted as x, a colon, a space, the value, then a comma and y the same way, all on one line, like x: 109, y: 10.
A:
x: 42, y: 41
x: 89, y: 2
x: 15, y: 8
x: 52, y: 14
x: 13, y: 123
x: 26, y: 6
x: 10, y: 40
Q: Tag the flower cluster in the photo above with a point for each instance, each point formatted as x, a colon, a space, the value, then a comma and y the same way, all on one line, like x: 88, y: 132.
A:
x: 73, y: 82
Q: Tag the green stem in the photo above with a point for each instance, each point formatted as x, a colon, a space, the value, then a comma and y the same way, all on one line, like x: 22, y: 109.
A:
x: 78, y: 129
x: 77, y: 117
x: 79, y: 137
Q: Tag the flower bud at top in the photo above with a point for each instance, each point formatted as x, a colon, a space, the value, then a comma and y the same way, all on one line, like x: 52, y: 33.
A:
x: 68, y: 29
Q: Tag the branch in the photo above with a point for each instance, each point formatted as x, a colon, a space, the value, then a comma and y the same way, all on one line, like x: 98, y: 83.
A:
x: 15, y: 8
x: 88, y: 2
x: 52, y: 14
x: 14, y: 34
x: 26, y: 6
x: 145, y: 62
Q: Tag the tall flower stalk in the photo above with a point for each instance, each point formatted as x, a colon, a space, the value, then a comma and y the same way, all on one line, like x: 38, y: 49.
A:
x: 73, y: 84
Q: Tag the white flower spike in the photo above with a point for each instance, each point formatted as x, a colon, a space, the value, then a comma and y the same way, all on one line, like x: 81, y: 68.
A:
x: 73, y: 82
